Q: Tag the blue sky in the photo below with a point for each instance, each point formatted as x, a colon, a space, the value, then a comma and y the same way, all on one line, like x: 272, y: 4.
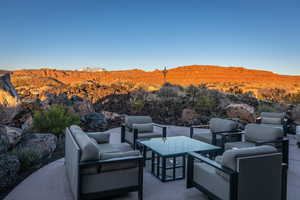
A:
x: 123, y: 34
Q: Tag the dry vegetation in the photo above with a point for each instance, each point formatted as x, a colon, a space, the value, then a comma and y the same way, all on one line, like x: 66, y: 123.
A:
x: 94, y: 85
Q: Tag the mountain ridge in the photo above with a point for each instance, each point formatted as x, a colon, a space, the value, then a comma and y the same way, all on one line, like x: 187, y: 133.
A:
x: 216, y: 77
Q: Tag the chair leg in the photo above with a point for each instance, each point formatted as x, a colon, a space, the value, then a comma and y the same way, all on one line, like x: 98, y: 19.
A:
x: 191, y: 132
x: 285, y: 152
x: 140, y: 194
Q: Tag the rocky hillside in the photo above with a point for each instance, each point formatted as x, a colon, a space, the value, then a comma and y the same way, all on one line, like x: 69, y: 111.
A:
x: 215, y: 77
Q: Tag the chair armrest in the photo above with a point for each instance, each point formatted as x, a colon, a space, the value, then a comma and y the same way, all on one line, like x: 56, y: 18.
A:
x: 229, y: 133
x: 111, y: 155
x: 164, y: 129
x: 100, y: 137
x: 200, y: 126
x: 280, y: 141
x: 84, y: 164
x: 212, y: 163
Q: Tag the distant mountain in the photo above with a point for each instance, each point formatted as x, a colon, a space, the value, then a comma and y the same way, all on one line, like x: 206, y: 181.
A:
x: 92, y: 69
x: 215, y: 77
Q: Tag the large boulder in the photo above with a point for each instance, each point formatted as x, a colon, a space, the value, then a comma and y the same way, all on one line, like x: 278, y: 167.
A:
x: 83, y: 107
x: 188, y: 115
x: 12, y: 134
x: 9, y: 168
x: 4, y: 144
x: 9, y: 100
x: 42, y: 143
x: 242, y: 111
x: 111, y: 115
x: 28, y: 123
x: 6, y: 85
x: 94, y: 121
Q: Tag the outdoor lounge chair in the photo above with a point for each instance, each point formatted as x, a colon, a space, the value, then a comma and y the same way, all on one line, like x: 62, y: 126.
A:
x: 242, y: 174
x: 273, y: 119
x: 140, y: 127
x: 219, y: 131
x: 96, y: 170
x: 259, y: 134
x: 298, y: 135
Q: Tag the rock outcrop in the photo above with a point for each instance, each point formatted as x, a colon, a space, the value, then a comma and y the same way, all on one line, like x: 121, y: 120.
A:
x: 6, y: 85
x: 13, y: 135
x: 83, y: 107
x: 43, y: 144
x: 9, y: 100
x: 94, y: 121
x: 188, y: 115
x: 242, y: 111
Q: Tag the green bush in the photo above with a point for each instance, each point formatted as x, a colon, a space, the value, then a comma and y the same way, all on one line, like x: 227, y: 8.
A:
x: 54, y: 120
x: 28, y: 158
x: 137, y: 105
x: 206, y: 102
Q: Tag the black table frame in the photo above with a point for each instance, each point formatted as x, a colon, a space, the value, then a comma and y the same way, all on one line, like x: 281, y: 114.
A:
x: 156, y: 166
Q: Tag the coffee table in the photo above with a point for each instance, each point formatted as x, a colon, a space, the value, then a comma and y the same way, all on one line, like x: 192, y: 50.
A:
x: 168, y: 154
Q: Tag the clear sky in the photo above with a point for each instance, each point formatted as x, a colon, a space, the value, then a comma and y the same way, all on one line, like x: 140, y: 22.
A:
x: 150, y: 34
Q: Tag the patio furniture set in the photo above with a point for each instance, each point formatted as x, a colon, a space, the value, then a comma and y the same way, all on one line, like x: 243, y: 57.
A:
x: 222, y: 161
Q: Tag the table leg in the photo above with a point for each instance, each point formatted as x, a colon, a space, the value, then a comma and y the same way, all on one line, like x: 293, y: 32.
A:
x: 158, y: 163
x: 145, y: 154
x: 152, y: 162
x: 174, y: 168
x: 183, y: 166
x: 163, y: 169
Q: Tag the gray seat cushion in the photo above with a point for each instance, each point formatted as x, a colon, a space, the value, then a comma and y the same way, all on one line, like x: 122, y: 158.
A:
x: 130, y: 120
x: 239, y: 145
x: 230, y: 156
x: 143, y: 128
x: 222, y: 125
x: 206, y: 137
x: 113, y: 148
x: 149, y: 135
x: 262, y: 133
x: 207, y: 177
x: 280, y: 126
x: 88, y: 148
x: 100, y: 137
x: 271, y: 120
x: 110, y: 151
x: 273, y: 114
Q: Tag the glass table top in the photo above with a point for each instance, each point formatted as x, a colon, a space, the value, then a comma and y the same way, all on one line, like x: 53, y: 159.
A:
x: 172, y: 146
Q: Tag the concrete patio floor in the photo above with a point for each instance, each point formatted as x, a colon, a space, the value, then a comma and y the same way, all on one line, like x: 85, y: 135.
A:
x: 50, y: 183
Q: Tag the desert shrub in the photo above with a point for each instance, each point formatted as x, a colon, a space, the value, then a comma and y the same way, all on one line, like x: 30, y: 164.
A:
x: 192, y: 90
x: 28, y: 158
x: 137, y: 104
x: 273, y: 94
x: 265, y: 108
x: 54, y: 120
x: 167, y: 92
x: 293, y: 98
x: 206, y: 102
x: 236, y: 90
